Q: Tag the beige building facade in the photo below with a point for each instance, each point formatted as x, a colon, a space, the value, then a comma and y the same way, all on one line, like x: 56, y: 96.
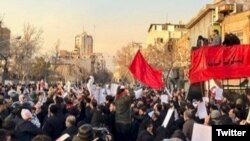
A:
x: 245, y: 3
x: 228, y: 16
x: 202, y: 24
x: 212, y: 16
x: 97, y: 63
x: 83, y: 45
x: 65, y: 54
x: 162, y: 33
x: 238, y: 24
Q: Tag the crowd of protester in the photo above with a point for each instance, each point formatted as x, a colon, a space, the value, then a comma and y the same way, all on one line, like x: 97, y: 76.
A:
x: 46, y: 113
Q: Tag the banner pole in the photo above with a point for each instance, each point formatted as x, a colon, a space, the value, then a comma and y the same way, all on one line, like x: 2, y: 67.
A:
x: 125, y: 75
x: 202, y: 93
x: 208, y: 85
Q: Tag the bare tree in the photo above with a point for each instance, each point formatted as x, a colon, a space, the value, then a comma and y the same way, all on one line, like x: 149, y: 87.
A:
x: 182, y: 52
x: 26, y: 50
x: 170, y: 56
x: 5, y: 45
x: 64, y: 70
x: 39, y: 69
x: 162, y: 55
x: 4, y: 65
x: 123, y: 59
x: 56, y: 53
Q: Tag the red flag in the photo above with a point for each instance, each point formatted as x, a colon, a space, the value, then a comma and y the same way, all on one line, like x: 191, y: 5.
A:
x: 145, y: 73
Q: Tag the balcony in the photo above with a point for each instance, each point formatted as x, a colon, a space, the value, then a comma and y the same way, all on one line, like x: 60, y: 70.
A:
x: 226, y: 8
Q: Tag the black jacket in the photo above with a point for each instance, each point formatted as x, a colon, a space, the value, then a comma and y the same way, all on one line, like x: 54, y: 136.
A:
x: 54, y: 126
x: 145, y: 136
x: 71, y: 131
x: 26, y: 130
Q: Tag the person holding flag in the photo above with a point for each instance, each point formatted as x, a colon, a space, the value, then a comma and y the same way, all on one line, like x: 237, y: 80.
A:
x: 123, y: 101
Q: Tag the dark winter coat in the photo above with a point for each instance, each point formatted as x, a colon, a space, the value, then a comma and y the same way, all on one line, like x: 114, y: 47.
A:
x: 26, y: 130
x: 54, y: 126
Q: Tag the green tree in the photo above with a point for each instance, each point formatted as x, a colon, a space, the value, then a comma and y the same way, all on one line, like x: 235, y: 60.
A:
x: 123, y: 59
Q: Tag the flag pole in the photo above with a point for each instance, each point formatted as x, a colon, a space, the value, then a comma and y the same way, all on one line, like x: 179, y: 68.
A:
x: 125, y: 75
x: 202, y: 93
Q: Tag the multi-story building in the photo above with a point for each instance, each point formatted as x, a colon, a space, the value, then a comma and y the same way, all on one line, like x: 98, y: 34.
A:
x: 162, y: 33
x: 226, y: 16
x: 202, y: 24
x: 212, y: 16
x: 4, y: 39
x: 65, y: 54
x: 110, y: 63
x: 83, y: 45
x: 97, y: 62
x: 234, y: 16
x: 245, y: 3
x: 81, y: 61
x: 238, y: 24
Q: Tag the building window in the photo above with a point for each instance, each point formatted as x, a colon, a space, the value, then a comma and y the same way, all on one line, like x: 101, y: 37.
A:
x: 158, y: 27
x: 159, y: 40
x: 164, y: 27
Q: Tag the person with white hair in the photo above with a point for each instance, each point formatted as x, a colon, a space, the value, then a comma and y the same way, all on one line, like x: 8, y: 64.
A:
x: 189, y: 123
x: 71, y: 128
x: 26, y: 130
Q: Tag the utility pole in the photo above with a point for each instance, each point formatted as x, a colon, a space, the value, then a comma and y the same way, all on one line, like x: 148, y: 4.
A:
x: 167, y: 18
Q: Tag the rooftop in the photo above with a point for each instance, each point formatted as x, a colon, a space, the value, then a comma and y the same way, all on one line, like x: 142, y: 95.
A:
x: 207, y: 8
x: 151, y: 25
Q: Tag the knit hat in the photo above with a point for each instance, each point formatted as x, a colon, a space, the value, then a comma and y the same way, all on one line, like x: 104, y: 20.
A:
x: 26, y: 114
x: 85, y: 133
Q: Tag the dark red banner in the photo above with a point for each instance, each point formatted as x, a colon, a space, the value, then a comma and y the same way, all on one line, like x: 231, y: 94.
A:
x: 220, y: 63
